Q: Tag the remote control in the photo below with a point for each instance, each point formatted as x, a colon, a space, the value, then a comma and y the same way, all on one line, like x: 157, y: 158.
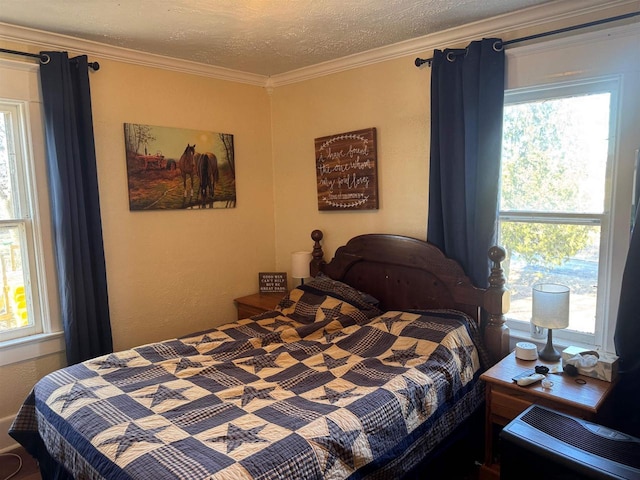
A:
x: 524, y: 381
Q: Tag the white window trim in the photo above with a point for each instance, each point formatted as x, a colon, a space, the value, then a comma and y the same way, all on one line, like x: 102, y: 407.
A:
x: 21, y: 84
x: 33, y: 346
x: 612, y: 54
x: 608, y: 84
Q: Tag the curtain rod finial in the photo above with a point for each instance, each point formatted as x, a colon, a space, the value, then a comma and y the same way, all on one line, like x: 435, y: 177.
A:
x: 421, y: 61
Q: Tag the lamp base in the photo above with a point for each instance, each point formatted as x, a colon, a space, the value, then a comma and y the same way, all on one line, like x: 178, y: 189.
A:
x: 549, y: 353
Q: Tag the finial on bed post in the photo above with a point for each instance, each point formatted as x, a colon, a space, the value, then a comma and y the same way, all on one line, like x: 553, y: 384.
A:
x: 497, y: 300
x: 317, y: 254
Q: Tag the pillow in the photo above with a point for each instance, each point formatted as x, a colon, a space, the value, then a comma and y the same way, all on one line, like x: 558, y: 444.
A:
x: 343, y: 291
x: 323, y: 297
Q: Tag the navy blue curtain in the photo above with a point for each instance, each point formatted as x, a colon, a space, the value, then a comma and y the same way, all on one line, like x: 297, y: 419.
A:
x: 467, y: 97
x: 75, y: 206
x: 627, y: 341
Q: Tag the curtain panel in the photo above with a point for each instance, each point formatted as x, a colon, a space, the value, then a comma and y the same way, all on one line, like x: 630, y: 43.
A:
x: 467, y: 98
x: 75, y: 206
x: 627, y: 340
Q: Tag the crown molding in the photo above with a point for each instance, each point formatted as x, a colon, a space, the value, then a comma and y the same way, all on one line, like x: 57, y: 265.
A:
x: 46, y: 40
x: 497, y: 26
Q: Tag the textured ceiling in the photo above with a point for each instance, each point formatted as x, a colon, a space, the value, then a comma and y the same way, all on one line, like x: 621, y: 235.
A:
x: 265, y: 37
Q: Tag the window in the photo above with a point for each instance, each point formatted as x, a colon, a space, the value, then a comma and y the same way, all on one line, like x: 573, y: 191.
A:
x: 571, y: 136
x: 18, y: 317
x: 30, y: 323
x: 555, y: 197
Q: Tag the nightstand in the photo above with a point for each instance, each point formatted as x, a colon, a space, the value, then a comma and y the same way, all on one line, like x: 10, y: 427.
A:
x: 257, y: 303
x: 505, y: 400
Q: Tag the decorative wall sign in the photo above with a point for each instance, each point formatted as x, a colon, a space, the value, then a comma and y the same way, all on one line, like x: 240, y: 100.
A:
x: 272, y: 282
x: 175, y: 168
x: 347, y: 171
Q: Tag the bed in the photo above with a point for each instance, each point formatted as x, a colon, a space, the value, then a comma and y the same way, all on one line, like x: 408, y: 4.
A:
x: 360, y: 373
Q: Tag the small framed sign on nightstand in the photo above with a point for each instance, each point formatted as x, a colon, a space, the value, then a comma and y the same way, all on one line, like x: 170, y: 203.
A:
x: 272, y: 282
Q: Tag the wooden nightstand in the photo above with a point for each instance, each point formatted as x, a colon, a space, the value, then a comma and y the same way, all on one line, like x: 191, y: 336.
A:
x: 506, y: 400
x: 257, y: 303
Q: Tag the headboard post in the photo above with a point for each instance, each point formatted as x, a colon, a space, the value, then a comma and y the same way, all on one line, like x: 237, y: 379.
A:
x: 317, y: 254
x: 497, y: 299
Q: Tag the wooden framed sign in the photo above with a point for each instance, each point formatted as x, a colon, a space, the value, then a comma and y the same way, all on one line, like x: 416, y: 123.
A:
x: 347, y: 171
x: 272, y: 282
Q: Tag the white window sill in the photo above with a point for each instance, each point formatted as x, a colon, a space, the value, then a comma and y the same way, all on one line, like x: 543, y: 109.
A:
x: 33, y: 346
x: 517, y: 335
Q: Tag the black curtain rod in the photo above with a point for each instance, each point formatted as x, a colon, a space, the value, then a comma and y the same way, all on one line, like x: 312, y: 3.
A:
x: 43, y: 57
x: 421, y: 61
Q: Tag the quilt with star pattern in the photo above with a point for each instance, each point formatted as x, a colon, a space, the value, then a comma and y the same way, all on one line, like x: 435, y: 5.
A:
x: 319, y: 388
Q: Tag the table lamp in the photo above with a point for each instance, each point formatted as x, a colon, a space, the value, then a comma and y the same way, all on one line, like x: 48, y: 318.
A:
x: 550, y: 311
x: 300, y: 262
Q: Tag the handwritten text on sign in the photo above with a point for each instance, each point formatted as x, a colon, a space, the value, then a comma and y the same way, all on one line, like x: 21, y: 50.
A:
x: 347, y: 171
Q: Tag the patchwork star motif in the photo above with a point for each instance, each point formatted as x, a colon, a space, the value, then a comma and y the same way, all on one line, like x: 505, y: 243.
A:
x: 465, y: 354
x: 338, y: 444
x: 329, y: 337
x: 185, y: 363
x: 414, y: 393
x: 249, y: 393
x: 389, y: 321
x: 332, y: 313
x: 112, y: 361
x: 403, y: 356
x: 331, y: 362
x: 77, y: 392
x: 165, y: 393
x: 334, y: 395
x: 236, y: 436
x: 132, y: 435
x: 208, y: 339
x: 444, y: 373
x: 261, y: 361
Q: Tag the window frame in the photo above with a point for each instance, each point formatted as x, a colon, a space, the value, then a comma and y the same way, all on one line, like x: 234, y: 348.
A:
x: 24, y: 219
x: 610, y: 85
x: 20, y: 88
x: 580, y: 61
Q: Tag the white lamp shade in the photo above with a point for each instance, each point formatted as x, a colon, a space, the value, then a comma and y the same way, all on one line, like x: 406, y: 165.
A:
x: 300, y: 264
x: 550, y: 306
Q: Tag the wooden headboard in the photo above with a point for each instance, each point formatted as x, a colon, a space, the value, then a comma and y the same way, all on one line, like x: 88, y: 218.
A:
x: 406, y: 273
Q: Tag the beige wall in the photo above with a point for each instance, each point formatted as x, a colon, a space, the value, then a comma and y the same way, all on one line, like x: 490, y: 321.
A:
x: 171, y: 272
x: 391, y: 96
x: 174, y: 272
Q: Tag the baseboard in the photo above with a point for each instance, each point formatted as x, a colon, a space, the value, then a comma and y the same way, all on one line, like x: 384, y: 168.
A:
x: 6, y: 442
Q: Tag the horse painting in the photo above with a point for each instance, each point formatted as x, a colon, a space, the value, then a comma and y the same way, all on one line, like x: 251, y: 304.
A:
x: 187, y: 166
x: 207, y: 168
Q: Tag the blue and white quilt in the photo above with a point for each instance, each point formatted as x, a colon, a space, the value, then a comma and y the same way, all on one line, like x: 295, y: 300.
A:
x: 319, y: 388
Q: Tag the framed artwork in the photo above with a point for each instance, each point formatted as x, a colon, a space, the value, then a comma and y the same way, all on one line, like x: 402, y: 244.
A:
x: 347, y: 171
x: 175, y: 168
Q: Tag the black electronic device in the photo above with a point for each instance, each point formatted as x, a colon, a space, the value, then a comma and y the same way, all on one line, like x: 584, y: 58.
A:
x: 546, y: 444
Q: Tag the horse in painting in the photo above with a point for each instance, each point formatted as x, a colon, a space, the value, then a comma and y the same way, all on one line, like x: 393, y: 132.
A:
x: 187, y: 166
x: 207, y: 168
